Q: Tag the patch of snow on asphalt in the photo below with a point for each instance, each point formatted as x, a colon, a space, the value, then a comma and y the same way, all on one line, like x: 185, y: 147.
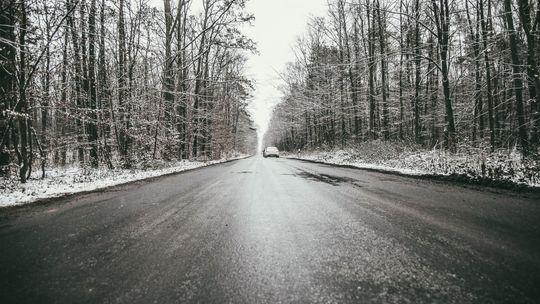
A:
x: 62, y: 181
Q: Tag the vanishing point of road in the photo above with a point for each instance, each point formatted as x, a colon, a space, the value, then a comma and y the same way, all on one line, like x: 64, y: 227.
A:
x: 274, y: 231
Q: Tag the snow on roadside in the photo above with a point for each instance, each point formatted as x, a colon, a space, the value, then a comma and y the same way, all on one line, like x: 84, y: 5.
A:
x: 501, y: 166
x: 69, y: 180
x: 342, y: 157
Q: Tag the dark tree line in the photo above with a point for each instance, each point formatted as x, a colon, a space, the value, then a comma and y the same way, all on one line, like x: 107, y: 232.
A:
x: 438, y: 73
x: 114, y: 83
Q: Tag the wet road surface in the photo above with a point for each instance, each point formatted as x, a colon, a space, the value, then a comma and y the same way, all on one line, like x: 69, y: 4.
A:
x: 274, y: 231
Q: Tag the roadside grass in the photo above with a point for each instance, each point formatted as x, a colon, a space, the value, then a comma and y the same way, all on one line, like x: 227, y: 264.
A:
x: 62, y: 181
x: 504, y: 167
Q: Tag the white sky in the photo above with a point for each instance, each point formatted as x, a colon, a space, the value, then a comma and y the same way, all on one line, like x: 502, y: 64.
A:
x: 277, y: 25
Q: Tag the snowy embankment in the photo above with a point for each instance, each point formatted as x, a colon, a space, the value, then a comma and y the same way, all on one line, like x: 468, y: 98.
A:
x: 469, y: 164
x: 69, y: 180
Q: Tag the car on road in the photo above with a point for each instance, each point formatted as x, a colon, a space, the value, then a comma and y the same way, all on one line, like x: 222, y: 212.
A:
x: 271, y: 152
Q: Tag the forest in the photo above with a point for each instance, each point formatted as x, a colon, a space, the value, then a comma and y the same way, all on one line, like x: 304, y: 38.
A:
x: 111, y: 84
x: 448, y: 75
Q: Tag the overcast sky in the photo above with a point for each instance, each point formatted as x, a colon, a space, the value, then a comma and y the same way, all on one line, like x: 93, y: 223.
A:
x: 277, y: 25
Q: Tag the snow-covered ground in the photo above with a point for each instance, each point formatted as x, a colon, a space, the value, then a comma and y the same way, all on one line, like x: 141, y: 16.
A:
x: 62, y: 181
x: 474, y: 164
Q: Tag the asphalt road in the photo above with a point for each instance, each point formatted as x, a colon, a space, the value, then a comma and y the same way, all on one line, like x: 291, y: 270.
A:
x: 274, y: 231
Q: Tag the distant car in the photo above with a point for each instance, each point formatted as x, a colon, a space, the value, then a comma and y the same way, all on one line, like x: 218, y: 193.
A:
x: 271, y: 152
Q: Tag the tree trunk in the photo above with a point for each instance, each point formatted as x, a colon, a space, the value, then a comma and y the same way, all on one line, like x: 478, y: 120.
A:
x: 22, y: 106
x: 532, y: 32
x: 8, y: 80
x: 518, y: 82
x: 384, y: 71
x: 123, y: 140
x: 491, y: 122
x: 78, y: 83
x: 371, y: 82
x: 182, y: 76
x: 417, y: 79
x: 442, y: 20
x: 92, y: 92
x: 168, y: 80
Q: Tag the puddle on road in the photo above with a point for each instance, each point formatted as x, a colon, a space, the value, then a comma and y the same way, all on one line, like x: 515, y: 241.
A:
x: 244, y: 172
x: 326, y: 178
